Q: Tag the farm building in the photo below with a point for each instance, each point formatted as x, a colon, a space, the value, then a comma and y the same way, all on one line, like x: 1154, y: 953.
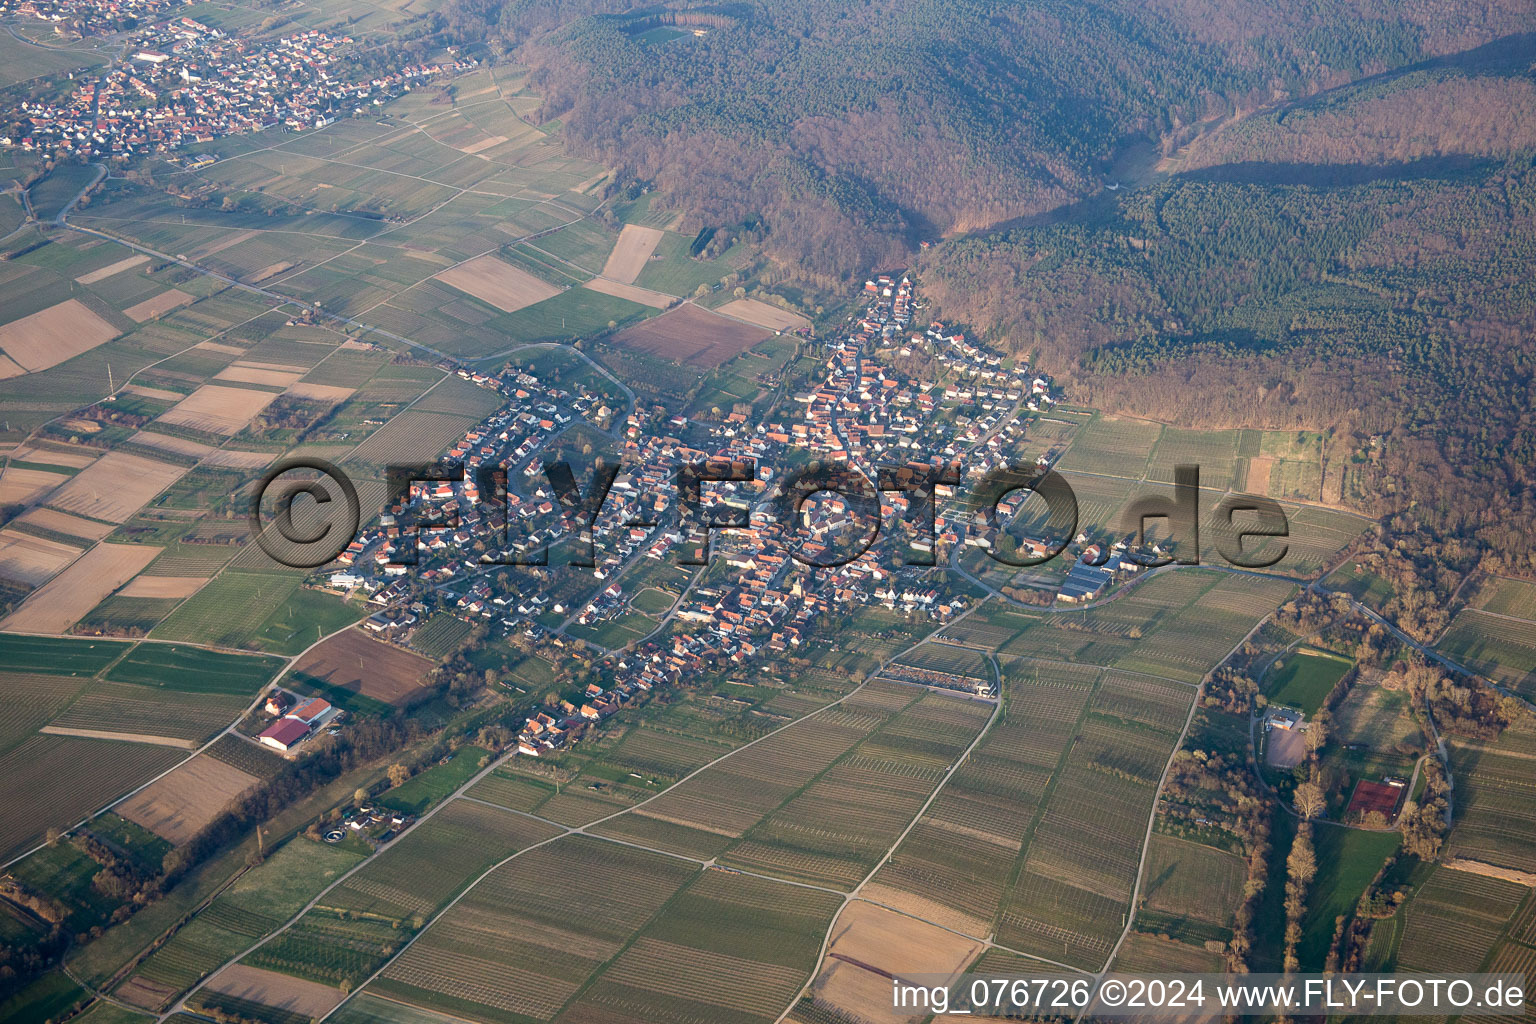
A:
x: 1084, y: 583
x: 284, y: 734
x: 311, y: 712
x: 1288, y: 719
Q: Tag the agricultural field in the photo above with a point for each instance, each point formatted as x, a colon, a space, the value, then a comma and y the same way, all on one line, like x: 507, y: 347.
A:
x: 1496, y: 799
x: 31, y: 701
x: 692, y: 335
x: 631, y: 253
x: 69, y: 596
x: 51, y: 336
x: 178, y: 805
x: 194, y: 670
x: 353, y: 667
x: 440, y: 635
x: 837, y: 828
x: 1113, y: 446
x: 1499, y: 595
x: 1188, y: 888
x: 890, y: 945
x: 57, y: 780
x: 231, y: 610
x: 499, y: 283
x: 720, y: 804
x: 129, y: 711
x: 256, y: 904
x: 64, y: 656
x: 506, y: 952
x: 954, y: 867
x: 727, y: 948
x: 1502, y: 648
x: 460, y: 841
x: 1453, y: 921
x: 115, y: 486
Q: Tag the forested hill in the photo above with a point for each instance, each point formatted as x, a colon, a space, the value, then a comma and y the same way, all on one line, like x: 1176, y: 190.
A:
x: 854, y: 130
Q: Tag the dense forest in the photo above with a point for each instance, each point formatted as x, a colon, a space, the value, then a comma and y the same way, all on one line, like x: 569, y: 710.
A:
x: 1305, y: 214
x: 856, y: 130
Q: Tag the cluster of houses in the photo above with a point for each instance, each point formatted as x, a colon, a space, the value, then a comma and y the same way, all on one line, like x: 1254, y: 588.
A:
x: 296, y: 719
x: 72, y: 18
x: 860, y: 412
x: 554, y: 728
x: 184, y: 82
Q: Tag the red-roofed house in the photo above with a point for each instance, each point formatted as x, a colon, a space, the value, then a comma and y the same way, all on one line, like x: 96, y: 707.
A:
x: 285, y: 733
x: 310, y: 711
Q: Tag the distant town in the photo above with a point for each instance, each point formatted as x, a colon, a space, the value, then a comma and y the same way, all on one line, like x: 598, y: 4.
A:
x: 184, y: 82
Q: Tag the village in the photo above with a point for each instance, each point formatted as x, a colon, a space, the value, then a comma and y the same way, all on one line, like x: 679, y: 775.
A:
x: 184, y: 82
x: 769, y: 581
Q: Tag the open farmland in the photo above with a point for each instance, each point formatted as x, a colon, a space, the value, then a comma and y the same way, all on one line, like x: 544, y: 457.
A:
x: 728, y: 947
x: 25, y: 558
x: 351, y: 662
x: 1502, y: 648
x: 762, y: 314
x: 216, y: 409
x: 630, y: 253
x: 115, y: 486
x: 158, y: 305
x: 21, y: 486
x: 31, y: 700
x: 178, y: 806
x: 837, y: 828
x: 506, y: 952
x: 51, y: 336
x: 254, y: 905
x: 1185, y: 881
x: 1496, y: 800
x: 55, y: 781
x: 278, y: 991
x: 1113, y: 445
x: 1453, y: 921
x: 112, y: 269
x: 954, y: 866
x: 1500, y: 595
x: 721, y: 803
x: 195, y: 670
x: 354, y: 927
x: 61, y: 602
x: 632, y: 292
x: 62, y: 522
x: 870, y: 945
x: 412, y: 437
x: 230, y: 610
x: 145, y: 714
x: 459, y: 842
x: 491, y: 279
x: 64, y: 656
x: 691, y: 334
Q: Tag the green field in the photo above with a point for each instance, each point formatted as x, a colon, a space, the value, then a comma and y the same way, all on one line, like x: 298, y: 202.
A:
x: 47, y: 999
x: 440, y: 635
x: 193, y: 670
x: 1504, y: 648
x: 231, y: 610
x: 257, y: 903
x: 1304, y: 678
x: 1347, y: 860
x: 57, y: 655
x: 426, y: 788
